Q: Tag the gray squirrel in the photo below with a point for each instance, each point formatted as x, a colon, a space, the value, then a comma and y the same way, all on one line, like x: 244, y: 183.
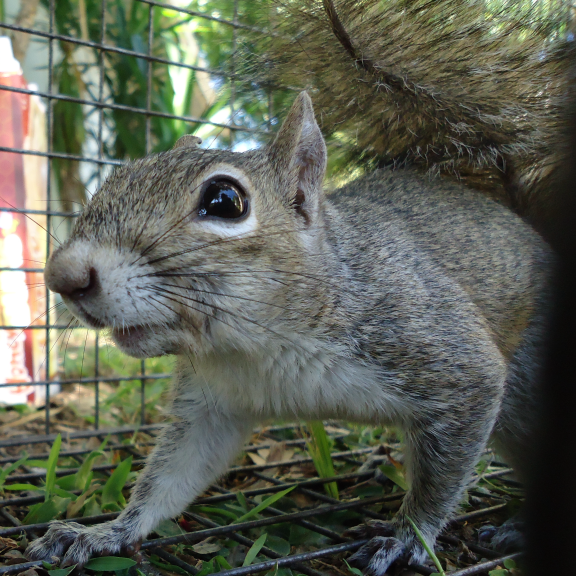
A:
x: 397, y: 299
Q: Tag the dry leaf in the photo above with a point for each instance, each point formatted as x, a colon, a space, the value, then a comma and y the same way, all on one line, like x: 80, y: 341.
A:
x: 256, y: 458
x: 208, y: 546
x: 29, y: 572
x: 7, y: 544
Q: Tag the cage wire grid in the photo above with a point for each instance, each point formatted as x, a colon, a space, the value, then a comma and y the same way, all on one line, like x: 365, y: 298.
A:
x: 123, y: 439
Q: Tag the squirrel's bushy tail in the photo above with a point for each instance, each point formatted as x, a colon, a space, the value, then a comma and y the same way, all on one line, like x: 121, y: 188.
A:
x: 451, y: 86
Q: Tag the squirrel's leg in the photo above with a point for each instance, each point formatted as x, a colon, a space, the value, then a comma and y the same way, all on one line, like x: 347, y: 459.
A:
x: 441, y: 454
x: 191, y: 453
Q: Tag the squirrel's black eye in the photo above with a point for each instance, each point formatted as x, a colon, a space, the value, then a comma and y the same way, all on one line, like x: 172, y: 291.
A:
x: 224, y: 199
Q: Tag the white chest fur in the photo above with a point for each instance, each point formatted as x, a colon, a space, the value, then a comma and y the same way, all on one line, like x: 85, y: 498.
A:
x: 306, y: 381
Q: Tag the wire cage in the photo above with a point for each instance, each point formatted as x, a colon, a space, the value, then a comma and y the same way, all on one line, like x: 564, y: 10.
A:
x: 87, y: 54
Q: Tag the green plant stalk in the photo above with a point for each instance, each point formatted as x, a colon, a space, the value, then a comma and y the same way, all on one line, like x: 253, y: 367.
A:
x: 319, y: 450
x: 51, y: 469
x: 426, y: 547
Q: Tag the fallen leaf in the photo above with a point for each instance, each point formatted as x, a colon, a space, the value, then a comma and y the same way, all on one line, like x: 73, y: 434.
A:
x: 208, y: 546
x: 7, y: 544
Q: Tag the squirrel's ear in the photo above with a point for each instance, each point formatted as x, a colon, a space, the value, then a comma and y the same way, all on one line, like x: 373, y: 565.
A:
x: 187, y: 141
x: 299, y: 156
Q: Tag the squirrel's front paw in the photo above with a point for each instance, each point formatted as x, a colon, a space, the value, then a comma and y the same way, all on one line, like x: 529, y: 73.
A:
x: 388, y: 543
x: 78, y: 542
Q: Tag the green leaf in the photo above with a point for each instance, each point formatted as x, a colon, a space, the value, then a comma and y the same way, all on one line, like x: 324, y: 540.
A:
x: 67, y: 482
x: 279, y: 545
x: 61, y: 571
x: 38, y: 463
x: 43, y: 512
x: 319, y: 450
x: 65, y: 494
x: 112, y: 491
x: 426, y: 547
x: 168, y: 528
x: 354, y: 570
x: 24, y: 487
x: 86, y: 467
x: 509, y: 563
x: 9, y: 469
x: 242, y: 501
x: 109, y: 563
x: 92, y: 507
x: 155, y: 559
x: 207, y: 568
x: 214, y: 510
x: 254, y: 550
x: 395, y: 475
x: 51, y: 468
x: 223, y: 562
x: 265, y: 503
x: 499, y: 572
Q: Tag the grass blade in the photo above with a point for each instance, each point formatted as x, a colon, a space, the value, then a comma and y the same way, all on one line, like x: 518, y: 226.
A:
x: 319, y: 450
x: 112, y: 491
x: 9, y: 469
x: 426, y: 547
x: 51, y: 469
x: 392, y: 473
x: 254, y: 550
x: 265, y: 503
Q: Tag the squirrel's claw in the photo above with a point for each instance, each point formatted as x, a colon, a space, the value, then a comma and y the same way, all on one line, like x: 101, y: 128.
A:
x: 78, y: 543
x: 378, y: 554
x: 55, y: 542
x: 506, y: 539
x: 388, y: 543
x: 371, y: 529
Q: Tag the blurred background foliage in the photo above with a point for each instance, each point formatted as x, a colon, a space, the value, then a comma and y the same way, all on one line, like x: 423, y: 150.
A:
x: 222, y: 96
x: 184, y: 89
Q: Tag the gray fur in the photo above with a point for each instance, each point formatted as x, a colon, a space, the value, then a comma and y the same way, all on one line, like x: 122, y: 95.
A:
x: 395, y: 300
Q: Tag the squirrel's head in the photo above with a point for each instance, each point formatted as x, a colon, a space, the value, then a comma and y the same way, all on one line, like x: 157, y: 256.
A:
x: 194, y: 250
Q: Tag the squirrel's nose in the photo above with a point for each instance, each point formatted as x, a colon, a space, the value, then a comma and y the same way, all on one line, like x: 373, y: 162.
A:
x: 70, y: 276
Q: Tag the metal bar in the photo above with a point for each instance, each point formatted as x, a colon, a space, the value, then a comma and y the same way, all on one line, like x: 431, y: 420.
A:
x: 101, y: 79
x: 247, y: 542
x: 49, y: 438
x: 216, y: 531
x: 87, y: 380
x: 17, y: 568
x: 49, y: 120
x: 483, y: 567
x: 205, y: 500
x: 133, y: 109
x: 234, y: 23
x: 71, y: 453
x: 60, y: 155
x: 4, y: 269
x: 149, y: 75
x: 170, y: 558
x: 221, y: 530
x: 293, y: 559
x: 109, y: 48
x: 233, y: 72
x: 40, y: 212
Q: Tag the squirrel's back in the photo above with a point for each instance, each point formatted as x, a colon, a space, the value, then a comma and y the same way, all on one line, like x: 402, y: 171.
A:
x: 430, y: 226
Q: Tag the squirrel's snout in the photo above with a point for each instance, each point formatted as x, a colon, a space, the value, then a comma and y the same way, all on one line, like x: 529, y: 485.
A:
x: 71, y: 276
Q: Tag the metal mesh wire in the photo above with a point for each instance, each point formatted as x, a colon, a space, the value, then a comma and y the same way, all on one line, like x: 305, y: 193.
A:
x: 318, y: 515
x: 96, y: 105
x: 96, y: 163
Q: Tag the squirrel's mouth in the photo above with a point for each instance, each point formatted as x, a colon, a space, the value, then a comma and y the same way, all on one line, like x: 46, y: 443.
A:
x: 125, y: 336
x: 90, y: 321
x: 145, y: 341
x: 129, y: 334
